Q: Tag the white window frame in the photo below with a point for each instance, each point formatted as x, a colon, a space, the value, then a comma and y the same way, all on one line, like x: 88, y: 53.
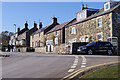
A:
x: 73, y: 30
x: 98, y: 23
x: 108, y: 3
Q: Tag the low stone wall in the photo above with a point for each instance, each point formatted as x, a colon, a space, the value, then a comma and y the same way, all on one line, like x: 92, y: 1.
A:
x: 23, y: 49
x: 60, y: 49
x: 40, y: 49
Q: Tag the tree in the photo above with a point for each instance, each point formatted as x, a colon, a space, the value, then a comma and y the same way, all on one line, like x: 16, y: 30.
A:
x: 5, y: 37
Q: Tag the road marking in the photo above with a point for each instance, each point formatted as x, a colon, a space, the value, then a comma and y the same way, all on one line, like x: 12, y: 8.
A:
x: 73, y: 66
x: 75, y: 61
x: 75, y: 73
x: 83, y: 63
x: 83, y: 66
x: 71, y: 70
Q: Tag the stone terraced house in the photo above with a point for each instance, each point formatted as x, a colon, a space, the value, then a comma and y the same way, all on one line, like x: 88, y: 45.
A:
x: 95, y: 25
x: 38, y: 38
x: 21, y: 39
x: 55, y: 42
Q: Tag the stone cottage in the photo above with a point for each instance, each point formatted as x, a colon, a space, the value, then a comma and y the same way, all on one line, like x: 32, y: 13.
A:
x: 21, y: 39
x: 38, y: 38
x: 55, y: 42
x: 95, y: 24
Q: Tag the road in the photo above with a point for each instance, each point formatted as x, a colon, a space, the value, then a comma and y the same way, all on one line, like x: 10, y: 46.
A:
x: 38, y: 65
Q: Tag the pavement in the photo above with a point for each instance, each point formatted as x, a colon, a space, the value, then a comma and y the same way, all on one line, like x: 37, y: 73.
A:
x: 38, y: 65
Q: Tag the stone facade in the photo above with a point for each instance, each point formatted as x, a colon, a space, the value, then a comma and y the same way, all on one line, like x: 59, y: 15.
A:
x: 91, y: 30
x: 37, y: 40
x: 116, y: 25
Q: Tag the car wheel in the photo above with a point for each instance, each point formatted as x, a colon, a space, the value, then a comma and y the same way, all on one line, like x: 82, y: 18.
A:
x: 90, y: 52
x: 110, y: 52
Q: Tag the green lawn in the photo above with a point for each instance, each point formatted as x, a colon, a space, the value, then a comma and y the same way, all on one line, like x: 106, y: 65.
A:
x: 108, y: 72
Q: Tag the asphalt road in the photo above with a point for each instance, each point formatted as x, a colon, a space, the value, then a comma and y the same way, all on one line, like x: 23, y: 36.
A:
x: 37, y: 65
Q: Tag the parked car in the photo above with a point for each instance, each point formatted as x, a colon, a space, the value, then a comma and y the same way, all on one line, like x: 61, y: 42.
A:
x: 98, y: 46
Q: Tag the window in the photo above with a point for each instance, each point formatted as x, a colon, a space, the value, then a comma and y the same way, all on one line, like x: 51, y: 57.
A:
x: 118, y: 18
x: 56, y: 33
x: 82, y: 39
x: 73, y: 31
x: 32, y: 44
x: 36, y: 44
x: 106, y: 6
x: 99, y: 37
x: 83, y: 26
x: 99, y: 22
x: 56, y: 41
x: 86, y: 39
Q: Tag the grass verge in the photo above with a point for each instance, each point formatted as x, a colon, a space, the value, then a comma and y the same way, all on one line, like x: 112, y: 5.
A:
x: 106, y: 72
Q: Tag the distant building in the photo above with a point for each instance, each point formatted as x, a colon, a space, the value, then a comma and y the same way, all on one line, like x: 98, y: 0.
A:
x: 22, y: 37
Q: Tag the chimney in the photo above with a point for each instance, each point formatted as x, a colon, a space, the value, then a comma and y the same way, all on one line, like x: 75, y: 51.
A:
x: 86, y: 6
x: 40, y: 25
x: 26, y: 25
x: 35, y: 25
x: 82, y: 7
x: 54, y: 19
x: 18, y: 29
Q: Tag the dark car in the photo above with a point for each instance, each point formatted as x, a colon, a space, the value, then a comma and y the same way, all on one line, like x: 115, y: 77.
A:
x: 98, y: 46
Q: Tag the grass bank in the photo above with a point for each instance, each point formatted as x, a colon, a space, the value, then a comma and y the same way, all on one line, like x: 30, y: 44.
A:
x: 107, y: 72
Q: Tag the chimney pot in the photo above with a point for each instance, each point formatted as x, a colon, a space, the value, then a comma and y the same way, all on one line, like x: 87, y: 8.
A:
x: 82, y: 6
x: 18, y: 29
x: 35, y: 25
x: 86, y: 6
x: 26, y: 25
x: 40, y: 25
x: 54, y: 19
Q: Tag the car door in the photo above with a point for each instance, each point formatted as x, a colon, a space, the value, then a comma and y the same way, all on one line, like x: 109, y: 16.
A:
x: 98, y: 47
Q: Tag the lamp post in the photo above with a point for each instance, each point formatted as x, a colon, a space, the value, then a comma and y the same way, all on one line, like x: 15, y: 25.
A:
x: 15, y: 33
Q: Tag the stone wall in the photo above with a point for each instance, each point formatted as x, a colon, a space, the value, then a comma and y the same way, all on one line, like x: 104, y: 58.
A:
x: 89, y: 29
x: 60, y: 49
x: 37, y: 37
x: 116, y: 26
x: 40, y: 49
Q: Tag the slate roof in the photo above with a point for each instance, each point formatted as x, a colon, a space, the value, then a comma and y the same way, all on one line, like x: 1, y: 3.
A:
x: 38, y: 31
x: 60, y: 26
x: 98, y: 13
x: 22, y: 31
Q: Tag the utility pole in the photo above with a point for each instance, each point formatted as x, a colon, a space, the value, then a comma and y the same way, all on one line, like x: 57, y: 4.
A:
x: 15, y: 33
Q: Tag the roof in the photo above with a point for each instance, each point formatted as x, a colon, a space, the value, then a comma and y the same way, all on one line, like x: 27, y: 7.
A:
x: 22, y: 31
x: 98, y: 13
x: 60, y: 26
x: 38, y: 31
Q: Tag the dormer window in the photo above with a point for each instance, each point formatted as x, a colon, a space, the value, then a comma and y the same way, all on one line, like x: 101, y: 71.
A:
x: 106, y: 6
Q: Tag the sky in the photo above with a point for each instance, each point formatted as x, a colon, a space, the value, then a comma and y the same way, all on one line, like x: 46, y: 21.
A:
x: 20, y: 12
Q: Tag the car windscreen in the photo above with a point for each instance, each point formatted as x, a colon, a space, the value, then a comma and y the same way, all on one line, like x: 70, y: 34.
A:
x: 90, y: 44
